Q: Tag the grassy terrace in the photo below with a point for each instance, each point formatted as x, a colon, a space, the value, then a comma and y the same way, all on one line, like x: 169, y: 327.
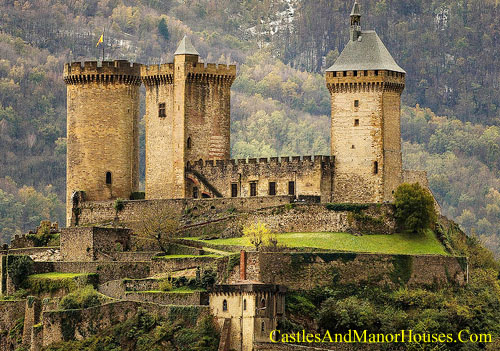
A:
x: 401, y: 243
x: 170, y: 257
x: 57, y: 276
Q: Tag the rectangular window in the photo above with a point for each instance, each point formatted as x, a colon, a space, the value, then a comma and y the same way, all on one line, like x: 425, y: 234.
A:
x: 162, y: 112
x: 272, y: 188
x: 375, y: 167
x: 253, y: 189
x: 234, y: 190
x: 291, y: 188
x: 195, y: 192
x: 356, y: 103
x: 356, y: 122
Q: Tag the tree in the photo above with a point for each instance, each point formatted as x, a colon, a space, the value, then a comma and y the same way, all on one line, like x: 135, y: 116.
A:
x: 163, y: 29
x: 157, y: 222
x: 414, y: 207
x: 258, y: 233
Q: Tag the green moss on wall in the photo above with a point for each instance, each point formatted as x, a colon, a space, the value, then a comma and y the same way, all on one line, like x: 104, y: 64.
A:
x: 402, y: 270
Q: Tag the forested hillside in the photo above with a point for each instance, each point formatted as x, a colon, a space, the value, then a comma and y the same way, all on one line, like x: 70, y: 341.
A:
x: 280, y: 105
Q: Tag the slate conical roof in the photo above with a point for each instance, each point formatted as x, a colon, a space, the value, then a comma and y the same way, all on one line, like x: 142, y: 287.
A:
x: 186, y: 47
x: 366, y: 53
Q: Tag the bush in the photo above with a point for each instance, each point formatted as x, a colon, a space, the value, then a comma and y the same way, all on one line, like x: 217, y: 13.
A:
x: 414, y: 208
x: 166, y: 285
x: 82, y: 298
x: 346, y: 314
x: 19, y: 268
x: 119, y: 205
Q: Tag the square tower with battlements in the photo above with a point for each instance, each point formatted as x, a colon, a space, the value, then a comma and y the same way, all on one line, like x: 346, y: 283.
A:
x: 365, y: 85
x: 187, y: 119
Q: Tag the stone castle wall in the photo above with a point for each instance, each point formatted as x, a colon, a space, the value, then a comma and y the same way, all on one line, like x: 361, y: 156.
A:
x: 311, y: 175
x: 103, y: 129
x: 305, y: 271
x: 365, y: 134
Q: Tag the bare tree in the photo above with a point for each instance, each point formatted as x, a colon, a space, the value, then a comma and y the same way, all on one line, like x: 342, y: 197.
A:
x: 157, y: 221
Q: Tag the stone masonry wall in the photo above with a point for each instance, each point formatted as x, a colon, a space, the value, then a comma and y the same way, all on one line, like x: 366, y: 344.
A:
x: 96, y: 212
x: 309, y: 270
x: 312, y: 175
x: 103, y: 129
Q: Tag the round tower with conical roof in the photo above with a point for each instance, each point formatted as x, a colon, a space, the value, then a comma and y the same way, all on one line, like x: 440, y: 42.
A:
x: 187, y: 119
x: 102, y: 130
x: 365, y: 85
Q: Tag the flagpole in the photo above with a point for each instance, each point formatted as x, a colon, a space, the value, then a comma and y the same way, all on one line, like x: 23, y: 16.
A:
x: 103, y: 31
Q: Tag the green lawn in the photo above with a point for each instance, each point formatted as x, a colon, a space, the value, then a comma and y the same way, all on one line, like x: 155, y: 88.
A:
x: 57, y: 276
x: 169, y: 257
x: 402, y: 243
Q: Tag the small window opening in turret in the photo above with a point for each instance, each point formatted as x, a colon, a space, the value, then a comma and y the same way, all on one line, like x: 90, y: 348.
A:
x: 355, y: 73
x: 352, y: 147
x: 345, y: 74
x: 234, y: 190
x: 244, y: 304
x: 189, y: 143
x: 375, y: 167
x: 356, y: 103
x: 365, y: 73
x: 108, y: 178
x: 224, y: 305
x: 195, y: 192
x: 291, y: 188
x: 263, y: 303
x: 162, y: 111
x: 263, y: 327
x: 356, y: 122
x: 376, y: 73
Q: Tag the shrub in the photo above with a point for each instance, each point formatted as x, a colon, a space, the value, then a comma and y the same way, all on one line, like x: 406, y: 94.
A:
x: 19, y: 268
x: 414, y: 208
x: 82, y: 298
x: 166, y: 284
x: 119, y: 205
x: 346, y: 314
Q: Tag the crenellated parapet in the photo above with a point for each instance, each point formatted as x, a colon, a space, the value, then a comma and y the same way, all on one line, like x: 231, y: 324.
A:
x: 365, y: 81
x: 205, y: 72
x: 118, y: 71
x: 157, y: 74
x: 296, y: 162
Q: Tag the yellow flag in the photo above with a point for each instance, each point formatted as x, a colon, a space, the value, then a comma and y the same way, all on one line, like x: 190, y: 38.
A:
x: 101, y: 39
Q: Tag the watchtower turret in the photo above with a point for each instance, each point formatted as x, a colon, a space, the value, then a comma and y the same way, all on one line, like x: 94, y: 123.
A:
x: 102, y: 129
x: 187, y: 119
x: 365, y: 85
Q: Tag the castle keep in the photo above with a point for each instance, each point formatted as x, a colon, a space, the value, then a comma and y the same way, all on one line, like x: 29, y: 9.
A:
x: 188, y: 131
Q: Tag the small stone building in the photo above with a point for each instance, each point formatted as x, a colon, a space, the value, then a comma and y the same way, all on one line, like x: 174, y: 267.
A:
x: 246, y: 313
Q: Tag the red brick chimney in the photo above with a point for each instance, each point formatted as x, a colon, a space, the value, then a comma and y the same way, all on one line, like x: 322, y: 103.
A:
x: 243, y: 265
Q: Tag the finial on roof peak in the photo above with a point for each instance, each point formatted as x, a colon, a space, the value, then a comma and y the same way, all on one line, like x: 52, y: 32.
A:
x: 186, y: 47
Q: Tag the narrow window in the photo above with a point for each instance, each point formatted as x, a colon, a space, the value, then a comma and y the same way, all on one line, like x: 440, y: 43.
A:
x: 272, y: 188
x: 234, y: 190
x: 376, y: 73
x: 291, y: 188
x: 263, y: 303
x: 375, y: 167
x: 195, y: 192
x: 253, y: 189
x: 355, y: 73
x: 108, y: 178
x: 345, y: 74
x: 352, y: 147
x: 189, y: 143
x: 162, y: 112
x: 244, y: 304
x: 365, y: 73
x: 356, y: 103
x: 263, y: 327
x: 356, y: 122
x: 224, y: 305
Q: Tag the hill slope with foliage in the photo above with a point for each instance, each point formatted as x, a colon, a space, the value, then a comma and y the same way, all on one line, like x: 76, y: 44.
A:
x: 280, y: 104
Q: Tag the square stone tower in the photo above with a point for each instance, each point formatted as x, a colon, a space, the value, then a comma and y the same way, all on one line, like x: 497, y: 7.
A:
x: 187, y: 119
x: 365, y: 85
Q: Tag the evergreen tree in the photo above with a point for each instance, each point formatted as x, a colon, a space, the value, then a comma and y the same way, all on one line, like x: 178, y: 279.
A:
x: 163, y: 29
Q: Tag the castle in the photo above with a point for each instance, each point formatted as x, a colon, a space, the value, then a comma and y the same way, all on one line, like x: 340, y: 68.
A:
x: 189, y: 172
x: 188, y: 131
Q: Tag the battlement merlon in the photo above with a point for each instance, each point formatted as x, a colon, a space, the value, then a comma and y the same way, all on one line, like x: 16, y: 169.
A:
x: 342, y: 81
x: 157, y: 74
x: 300, y: 161
x: 117, y: 71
